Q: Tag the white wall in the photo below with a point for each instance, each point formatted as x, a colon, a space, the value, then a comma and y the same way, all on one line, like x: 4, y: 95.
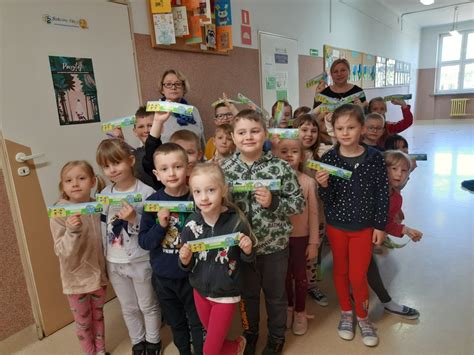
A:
x: 429, y: 42
x: 29, y: 114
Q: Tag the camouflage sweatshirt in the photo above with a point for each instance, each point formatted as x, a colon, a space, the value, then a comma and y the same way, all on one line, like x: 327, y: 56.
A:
x: 270, y: 225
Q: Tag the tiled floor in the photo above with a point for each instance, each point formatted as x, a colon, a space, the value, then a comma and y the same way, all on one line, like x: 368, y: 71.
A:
x: 435, y: 276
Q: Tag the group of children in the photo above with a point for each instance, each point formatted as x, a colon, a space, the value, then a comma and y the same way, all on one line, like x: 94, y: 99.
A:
x: 150, y: 264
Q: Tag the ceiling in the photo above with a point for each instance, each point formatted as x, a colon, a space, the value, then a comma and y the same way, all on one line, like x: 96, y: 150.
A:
x: 434, y: 17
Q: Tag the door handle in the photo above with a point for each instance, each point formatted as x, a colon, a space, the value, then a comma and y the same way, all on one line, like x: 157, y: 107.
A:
x: 22, y: 157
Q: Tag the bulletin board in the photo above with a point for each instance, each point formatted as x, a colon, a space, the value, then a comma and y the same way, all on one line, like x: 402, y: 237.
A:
x: 367, y: 70
x: 353, y: 57
x: 278, y: 69
x: 203, y: 26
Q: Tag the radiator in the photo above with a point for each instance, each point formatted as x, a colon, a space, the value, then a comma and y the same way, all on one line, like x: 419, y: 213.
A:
x: 458, y: 107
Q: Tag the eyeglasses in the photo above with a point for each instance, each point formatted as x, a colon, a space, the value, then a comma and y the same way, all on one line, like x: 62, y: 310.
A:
x: 374, y: 128
x: 177, y: 85
x: 222, y: 116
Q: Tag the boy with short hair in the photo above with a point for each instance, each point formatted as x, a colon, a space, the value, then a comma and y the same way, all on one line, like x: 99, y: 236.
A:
x: 286, y: 115
x: 187, y: 139
x: 223, y: 115
x: 268, y: 214
x: 141, y: 129
x: 160, y: 234
x: 373, y: 130
x: 191, y: 144
x: 223, y: 142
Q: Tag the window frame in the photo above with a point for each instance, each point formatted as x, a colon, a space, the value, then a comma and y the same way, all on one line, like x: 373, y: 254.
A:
x: 462, y: 62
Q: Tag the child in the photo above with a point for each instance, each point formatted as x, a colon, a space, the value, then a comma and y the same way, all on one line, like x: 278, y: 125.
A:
x: 187, y: 139
x: 215, y: 274
x: 128, y: 265
x: 268, y: 213
x: 398, y: 169
x: 398, y: 166
x: 141, y: 129
x: 304, y: 239
x: 286, y: 116
x: 223, y: 142
x: 308, y: 130
x: 397, y: 142
x: 300, y: 111
x: 356, y: 214
x: 223, y: 115
x: 378, y: 105
x: 78, y: 244
x: 161, y: 236
x: 373, y: 130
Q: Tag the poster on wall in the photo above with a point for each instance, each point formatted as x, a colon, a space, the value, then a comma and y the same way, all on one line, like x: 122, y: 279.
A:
x: 380, y: 70
x: 368, y: 71
x: 355, y: 65
x: 75, y: 89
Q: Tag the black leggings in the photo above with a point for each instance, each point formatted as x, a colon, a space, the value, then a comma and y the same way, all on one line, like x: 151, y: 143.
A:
x: 376, y: 283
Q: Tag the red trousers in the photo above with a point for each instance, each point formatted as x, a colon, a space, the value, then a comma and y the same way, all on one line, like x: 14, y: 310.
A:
x: 216, y: 319
x: 351, y: 253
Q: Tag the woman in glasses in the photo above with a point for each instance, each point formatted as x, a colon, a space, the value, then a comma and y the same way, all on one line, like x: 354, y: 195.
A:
x: 173, y: 87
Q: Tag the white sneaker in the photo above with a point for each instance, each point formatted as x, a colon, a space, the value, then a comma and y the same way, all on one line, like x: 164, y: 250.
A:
x: 367, y: 331
x: 345, y: 329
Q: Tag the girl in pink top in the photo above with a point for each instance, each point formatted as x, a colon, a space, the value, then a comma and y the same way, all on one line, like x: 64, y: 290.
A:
x: 78, y: 245
x: 304, y: 240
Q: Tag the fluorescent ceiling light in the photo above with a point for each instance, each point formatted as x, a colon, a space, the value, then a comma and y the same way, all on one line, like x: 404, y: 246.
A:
x: 427, y: 2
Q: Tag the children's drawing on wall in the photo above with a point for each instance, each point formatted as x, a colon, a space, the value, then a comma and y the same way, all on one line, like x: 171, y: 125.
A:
x: 75, y: 89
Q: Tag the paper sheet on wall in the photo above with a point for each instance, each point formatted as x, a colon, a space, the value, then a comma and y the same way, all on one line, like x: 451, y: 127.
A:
x: 180, y: 19
x: 281, y: 95
x: 281, y: 80
x: 164, y: 29
x: 270, y: 82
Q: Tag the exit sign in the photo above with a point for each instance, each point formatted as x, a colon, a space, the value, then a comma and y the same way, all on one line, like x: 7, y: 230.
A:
x: 313, y: 52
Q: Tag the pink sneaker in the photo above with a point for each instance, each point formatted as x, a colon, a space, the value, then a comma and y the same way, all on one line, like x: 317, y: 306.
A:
x: 300, y: 323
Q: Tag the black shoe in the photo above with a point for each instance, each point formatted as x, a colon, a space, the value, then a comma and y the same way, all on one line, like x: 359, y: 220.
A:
x: 274, y: 346
x: 251, y: 346
x: 153, y: 349
x: 139, y: 349
x: 407, y: 312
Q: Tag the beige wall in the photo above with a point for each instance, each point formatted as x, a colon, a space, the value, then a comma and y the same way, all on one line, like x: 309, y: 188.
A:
x: 430, y: 106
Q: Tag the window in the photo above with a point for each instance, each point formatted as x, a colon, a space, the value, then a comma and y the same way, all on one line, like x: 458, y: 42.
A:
x: 456, y: 63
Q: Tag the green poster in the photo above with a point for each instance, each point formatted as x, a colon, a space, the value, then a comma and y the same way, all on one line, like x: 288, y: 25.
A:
x: 75, y: 89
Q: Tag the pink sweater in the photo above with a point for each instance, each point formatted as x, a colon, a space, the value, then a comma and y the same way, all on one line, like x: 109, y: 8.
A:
x: 307, y: 223
x: 80, y: 252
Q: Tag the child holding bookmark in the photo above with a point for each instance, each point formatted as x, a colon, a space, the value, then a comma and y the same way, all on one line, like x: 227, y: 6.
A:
x: 268, y: 213
x: 356, y: 212
x: 215, y: 275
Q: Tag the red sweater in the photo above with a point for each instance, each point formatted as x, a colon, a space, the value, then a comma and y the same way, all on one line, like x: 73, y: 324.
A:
x: 397, y: 127
x: 395, y: 206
